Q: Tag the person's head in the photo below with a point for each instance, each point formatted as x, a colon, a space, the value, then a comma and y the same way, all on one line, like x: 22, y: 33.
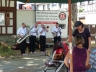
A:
x: 79, y: 40
x: 42, y: 25
x: 36, y: 25
x: 79, y: 25
x: 57, y: 25
x: 23, y: 25
x: 58, y: 45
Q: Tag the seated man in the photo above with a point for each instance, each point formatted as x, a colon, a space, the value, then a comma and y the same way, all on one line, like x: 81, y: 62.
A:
x: 92, y: 61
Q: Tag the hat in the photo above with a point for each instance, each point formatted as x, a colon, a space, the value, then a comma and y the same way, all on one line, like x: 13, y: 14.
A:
x: 78, y: 23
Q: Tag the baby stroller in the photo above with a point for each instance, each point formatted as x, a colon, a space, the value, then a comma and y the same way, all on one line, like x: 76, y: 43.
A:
x: 57, y: 60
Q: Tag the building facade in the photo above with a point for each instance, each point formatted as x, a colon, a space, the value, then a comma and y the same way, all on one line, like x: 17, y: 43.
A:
x: 23, y: 6
x: 86, y: 10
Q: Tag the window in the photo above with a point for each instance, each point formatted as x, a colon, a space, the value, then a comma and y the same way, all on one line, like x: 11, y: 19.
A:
x: 90, y: 2
x: 54, y: 4
x: 82, y: 3
x: 33, y: 6
x: 2, y: 18
x: 65, y: 9
x: 21, y: 6
x: 60, y: 5
x: 43, y: 7
x: 63, y: 26
x: 48, y: 6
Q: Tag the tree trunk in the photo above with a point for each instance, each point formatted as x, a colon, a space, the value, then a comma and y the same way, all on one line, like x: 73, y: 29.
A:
x: 74, y: 18
x: 74, y: 14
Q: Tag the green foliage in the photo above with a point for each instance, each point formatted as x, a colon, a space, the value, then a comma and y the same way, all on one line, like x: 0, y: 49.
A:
x: 5, y: 51
x: 27, y: 26
x: 81, y: 10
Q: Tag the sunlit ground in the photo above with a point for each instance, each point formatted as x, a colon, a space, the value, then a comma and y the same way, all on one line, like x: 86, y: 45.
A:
x: 28, y: 63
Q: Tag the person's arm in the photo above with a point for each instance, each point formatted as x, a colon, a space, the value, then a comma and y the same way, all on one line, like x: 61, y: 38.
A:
x: 60, y: 30
x: 40, y: 30
x: 36, y: 30
x: 33, y: 30
x: 52, y: 31
x: 68, y: 39
x: 46, y: 29
x: 89, y: 39
x: 73, y: 35
x: 88, y: 57
x: 92, y: 60
x: 67, y: 59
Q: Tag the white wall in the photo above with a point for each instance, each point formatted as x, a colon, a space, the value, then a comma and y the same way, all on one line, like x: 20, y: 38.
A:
x: 89, y: 18
x: 26, y: 16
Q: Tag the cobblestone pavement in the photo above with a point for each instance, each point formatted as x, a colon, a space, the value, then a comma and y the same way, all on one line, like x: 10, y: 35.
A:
x: 28, y: 63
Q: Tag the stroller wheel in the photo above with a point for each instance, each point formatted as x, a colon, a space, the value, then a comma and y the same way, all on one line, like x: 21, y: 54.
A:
x: 44, y: 70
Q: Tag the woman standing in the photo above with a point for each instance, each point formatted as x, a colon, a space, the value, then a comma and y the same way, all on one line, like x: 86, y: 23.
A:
x: 84, y: 32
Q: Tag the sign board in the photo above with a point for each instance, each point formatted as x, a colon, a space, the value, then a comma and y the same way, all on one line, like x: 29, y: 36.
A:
x: 50, y: 18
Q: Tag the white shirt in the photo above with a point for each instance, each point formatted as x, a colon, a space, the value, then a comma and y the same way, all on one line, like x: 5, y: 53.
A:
x: 21, y: 31
x: 33, y: 31
x: 43, y: 33
x: 57, y: 30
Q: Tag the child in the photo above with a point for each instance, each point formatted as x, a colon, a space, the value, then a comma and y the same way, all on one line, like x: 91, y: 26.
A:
x: 80, y: 56
x: 58, y: 51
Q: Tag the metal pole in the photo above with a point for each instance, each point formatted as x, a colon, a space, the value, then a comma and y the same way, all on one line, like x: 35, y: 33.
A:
x: 35, y: 11
x: 70, y: 36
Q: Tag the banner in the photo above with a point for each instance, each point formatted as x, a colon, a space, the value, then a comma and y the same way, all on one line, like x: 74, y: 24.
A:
x: 51, y: 17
